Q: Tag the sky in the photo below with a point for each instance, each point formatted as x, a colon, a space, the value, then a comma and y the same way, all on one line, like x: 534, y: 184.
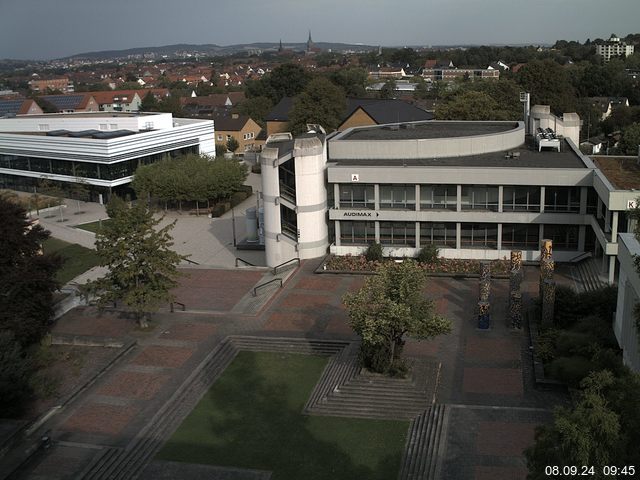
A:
x: 46, y: 29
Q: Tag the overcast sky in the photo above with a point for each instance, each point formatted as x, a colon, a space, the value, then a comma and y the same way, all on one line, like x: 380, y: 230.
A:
x: 44, y: 29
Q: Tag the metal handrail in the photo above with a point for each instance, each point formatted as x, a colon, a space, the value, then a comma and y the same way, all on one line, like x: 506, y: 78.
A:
x: 275, y: 269
x: 255, y: 290
x: 191, y: 261
x: 181, y: 304
x: 582, y: 256
x: 238, y: 259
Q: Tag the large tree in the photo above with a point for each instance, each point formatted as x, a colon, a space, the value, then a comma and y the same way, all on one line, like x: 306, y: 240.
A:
x: 27, y: 278
x: 322, y: 102
x: 549, y: 84
x: 630, y: 141
x: 389, y: 306
x: 142, y: 268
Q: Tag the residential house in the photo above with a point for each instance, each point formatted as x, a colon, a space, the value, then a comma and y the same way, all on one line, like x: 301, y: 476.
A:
x: 62, y: 84
x: 76, y: 102
x: 211, y: 104
x: 20, y: 106
x: 242, y: 128
x: 614, y: 47
x: 607, y: 104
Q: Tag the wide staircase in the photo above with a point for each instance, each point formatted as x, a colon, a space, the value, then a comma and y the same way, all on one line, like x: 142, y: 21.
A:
x: 424, y: 451
x: 588, y: 274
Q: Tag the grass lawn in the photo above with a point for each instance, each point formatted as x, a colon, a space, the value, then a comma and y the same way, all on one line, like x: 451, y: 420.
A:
x: 77, y: 259
x: 93, y: 226
x: 251, y: 418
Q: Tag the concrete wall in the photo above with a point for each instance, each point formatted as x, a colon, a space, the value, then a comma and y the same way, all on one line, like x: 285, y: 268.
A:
x: 628, y: 296
x: 76, y: 122
x: 568, y: 125
x: 429, y: 147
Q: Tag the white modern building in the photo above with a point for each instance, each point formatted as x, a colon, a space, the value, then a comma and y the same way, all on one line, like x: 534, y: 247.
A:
x: 473, y: 189
x: 614, y: 47
x: 100, y: 149
x: 624, y: 326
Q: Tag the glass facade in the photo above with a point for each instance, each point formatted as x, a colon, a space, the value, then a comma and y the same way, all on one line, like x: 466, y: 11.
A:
x: 357, y: 233
x: 401, y: 197
x: 438, y: 197
x: 357, y: 196
x: 399, y: 234
x: 438, y: 234
x: 520, y: 236
x: 479, y: 235
x: 287, y: 175
x: 521, y: 199
x: 564, y: 237
x: 562, y: 199
x: 479, y: 197
x: 289, y: 222
x: 90, y: 170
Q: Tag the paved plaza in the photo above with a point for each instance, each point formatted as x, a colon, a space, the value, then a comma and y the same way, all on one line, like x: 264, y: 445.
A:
x: 484, y: 378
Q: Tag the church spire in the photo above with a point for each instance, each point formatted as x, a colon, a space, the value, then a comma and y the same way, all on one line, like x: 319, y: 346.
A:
x: 280, y: 47
x: 309, y: 42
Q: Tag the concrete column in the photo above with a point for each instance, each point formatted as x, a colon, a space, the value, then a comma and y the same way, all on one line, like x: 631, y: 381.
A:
x: 607, y: 221
x: 376, y: 194
x: 582, y: 235
x: 336, y: 195
x: 377, y: 229
x: 417, y: 197
x: 583, y: 200
x: 458, y: 235
x: 541, y: 233
x: 500, y: 199
x: 500, y: 235
x: 459, y: 198
x: 336, y: 228
x: 542, y: 200
x: 612, y: 269
x: 614, y: 227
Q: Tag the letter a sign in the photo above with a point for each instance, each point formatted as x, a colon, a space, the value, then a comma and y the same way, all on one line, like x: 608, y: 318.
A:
x: 355, y: 177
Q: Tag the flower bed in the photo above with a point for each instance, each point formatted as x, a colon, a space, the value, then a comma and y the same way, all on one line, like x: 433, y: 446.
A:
x: 452, y: 266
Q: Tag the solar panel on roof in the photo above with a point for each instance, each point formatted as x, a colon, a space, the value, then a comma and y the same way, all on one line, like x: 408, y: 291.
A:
x: 113, y: 134
x: 84, y: 133
x: 10, y: 106
x: 58, y: 133
x: 64, y: 102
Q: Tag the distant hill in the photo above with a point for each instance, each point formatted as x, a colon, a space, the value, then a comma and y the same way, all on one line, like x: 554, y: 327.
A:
x: 184, y: 49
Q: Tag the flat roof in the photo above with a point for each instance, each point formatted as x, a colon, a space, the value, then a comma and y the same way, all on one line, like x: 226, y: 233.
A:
x: 88, y: 115
x: 528, y: 158
x: 622, y: 172
x: 428, y: 130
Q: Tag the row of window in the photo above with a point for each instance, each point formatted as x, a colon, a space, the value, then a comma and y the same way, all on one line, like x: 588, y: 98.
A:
x: 98, y: 171
x: 472, y: 235
x: 473, y: 197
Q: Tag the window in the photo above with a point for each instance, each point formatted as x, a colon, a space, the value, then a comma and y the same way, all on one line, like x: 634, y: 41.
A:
x: 519, y: 236
x: 475, y: 197
x: 438, y: 234
x: 402, y: 234
x: 287, y: 174
x: 398, y: 197
x: 562, y: 199
x: 113, y: 126
x: 220, y: 138
x: 43, y: 127
x: 521, y: 199
x: 103, y: 126
x: 564, y: 237
x: 479, y: 235
x: 438, y: 197
x: 289, y: 222
x: 357, y: 233
x: 357, y: 196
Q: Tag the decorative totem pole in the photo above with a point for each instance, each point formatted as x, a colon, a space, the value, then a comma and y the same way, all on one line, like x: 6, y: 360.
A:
x: 515, y: 297
x: 484, y: 316
x: 547, y: 285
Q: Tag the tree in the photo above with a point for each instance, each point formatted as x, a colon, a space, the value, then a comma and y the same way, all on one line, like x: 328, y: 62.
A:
x: 587, y: 434
x: 388, y: 90
x: 288, y: 80
x: 549, y: 84
x: 353, y: 80
x: 142, y: 268
x: 321, y: 102
x: 256, y: 108
x: 470, y: 105
x: 630, y: 141
x: 15, y: 373
x: 232, y: 144
x: 27, y: 278
x: 149, y: 103
x: 389, y: 306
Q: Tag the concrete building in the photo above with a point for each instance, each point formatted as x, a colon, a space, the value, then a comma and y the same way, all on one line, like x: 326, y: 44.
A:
x: 42, y: 85
x: 241, y: 127
x: 99, y: 149
x: 474, y: 189
x: 614, y: 47
x: 624, y: 326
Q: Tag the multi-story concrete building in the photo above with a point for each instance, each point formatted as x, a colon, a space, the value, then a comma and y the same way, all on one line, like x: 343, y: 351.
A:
x: 614, y: 47
x: 62, y: 84
x: 474, y: 189
x: 99, y: 149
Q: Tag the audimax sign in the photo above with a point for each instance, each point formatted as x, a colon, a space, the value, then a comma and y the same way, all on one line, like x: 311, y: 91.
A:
x: 362, y: 214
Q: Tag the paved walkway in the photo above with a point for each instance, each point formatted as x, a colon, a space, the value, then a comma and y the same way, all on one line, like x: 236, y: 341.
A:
x: 485, y: 380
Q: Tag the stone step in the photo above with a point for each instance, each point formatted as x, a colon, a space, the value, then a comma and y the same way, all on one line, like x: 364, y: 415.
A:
x: 348, y: 401
x: 336, y: 373
x: 361, y: 412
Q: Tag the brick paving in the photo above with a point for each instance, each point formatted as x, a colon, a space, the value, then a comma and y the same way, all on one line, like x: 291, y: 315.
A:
x: 102, y: 419
x: 143, y: 386
x: 483, y: 374
x: 163, y: 356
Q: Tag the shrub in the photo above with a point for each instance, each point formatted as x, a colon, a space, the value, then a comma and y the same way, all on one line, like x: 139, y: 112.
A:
x: 575, y: 343
x: 237, y: 198
x: 599, y: 328
x: 546, y: 345
x: 218, y: 209
x: 15, y: 376
x: 570, y: 370
x: 428, y: 254
x: 374, y: 253
x: 256, y: 168
x: 564, y: 313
